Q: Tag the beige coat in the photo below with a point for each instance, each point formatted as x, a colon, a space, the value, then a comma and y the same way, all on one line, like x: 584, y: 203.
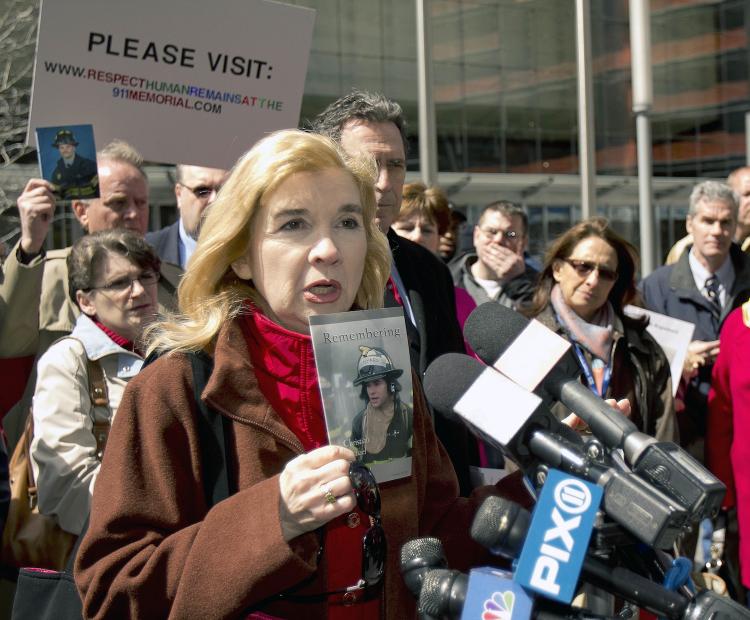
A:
x: 64, y: 449
x: 36, y: 310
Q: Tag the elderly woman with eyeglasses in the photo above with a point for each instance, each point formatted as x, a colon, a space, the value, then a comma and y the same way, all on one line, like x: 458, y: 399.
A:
x: 303, y: 531
x: 112, y: 277
x: 587, y: 279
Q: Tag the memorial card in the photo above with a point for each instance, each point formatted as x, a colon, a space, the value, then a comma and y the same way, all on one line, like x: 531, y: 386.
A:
x: 364, y: 374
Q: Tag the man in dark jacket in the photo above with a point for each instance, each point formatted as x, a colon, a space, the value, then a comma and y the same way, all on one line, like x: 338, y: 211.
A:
x: 703, y: 287
x: 370, y: 123
x: 195, y: 189
x: 497, y: 271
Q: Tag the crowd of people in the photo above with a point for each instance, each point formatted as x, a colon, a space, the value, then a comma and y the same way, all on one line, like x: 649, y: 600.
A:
x: 207, y: 319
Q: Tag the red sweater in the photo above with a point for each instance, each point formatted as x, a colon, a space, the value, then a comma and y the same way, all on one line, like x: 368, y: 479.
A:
x: 284, y: 366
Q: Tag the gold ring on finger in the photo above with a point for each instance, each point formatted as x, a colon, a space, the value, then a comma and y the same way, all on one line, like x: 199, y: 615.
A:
x: 329, y: 496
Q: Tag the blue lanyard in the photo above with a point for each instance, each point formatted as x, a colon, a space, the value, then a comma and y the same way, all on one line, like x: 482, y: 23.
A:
x: 589, y: 375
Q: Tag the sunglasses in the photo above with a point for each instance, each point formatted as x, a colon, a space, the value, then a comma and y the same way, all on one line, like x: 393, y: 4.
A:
x: 374, y: 547
x: 583, y: 268
x: 202, y: 192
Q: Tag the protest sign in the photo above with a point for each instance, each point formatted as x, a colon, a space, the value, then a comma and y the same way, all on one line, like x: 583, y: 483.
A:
x: 194, y: 82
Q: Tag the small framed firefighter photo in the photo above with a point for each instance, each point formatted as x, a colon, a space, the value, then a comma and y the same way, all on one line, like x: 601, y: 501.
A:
x: 67, y: 159
x: 362, y: 359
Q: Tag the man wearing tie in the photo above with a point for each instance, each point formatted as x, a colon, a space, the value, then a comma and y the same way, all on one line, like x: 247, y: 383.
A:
x: 703, y: 287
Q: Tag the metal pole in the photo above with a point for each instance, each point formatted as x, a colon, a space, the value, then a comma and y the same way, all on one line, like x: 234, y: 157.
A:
x: 425, y: 103
x: 645, y: 194
x: 640, y: 52
x: 586, y: 144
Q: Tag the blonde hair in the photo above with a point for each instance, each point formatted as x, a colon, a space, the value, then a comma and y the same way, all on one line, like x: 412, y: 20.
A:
x: 210, y: 294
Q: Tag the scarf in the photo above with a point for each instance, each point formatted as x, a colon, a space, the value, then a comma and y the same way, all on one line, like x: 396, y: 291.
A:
x: 596, y: 337
x: 119, y: 340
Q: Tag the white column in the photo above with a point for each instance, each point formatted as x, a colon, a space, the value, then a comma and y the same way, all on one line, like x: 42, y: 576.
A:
x: 586, y: 138
x: 425, y: 103
x: 640, y: 53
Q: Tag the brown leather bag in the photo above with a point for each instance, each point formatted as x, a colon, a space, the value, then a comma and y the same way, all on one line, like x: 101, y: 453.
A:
x: 31, y: 538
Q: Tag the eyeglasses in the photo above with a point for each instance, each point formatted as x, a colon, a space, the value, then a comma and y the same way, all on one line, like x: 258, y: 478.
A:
x: 374, y: 546
x: 583, y: 268
x: 121, y: 285
x: 491, y: 233
x: 202, y: 192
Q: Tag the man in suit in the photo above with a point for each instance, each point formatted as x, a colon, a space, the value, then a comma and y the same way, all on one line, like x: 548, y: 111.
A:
x: 195, y: 189
x: 370, y: 123
x: 709, y: 280
x: 74, y: 176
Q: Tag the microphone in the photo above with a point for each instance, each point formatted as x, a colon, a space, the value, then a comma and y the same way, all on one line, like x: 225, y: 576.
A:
x: 499, y: 524
x: 447, y: 594
x: 443, y: 593
x: 418, y: 557
x: 459, y: 385
x: 453, y: 379
x: 495, y: 332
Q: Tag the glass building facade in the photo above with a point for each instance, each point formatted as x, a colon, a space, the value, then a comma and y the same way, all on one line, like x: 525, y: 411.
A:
x: 504, y: 77
x: 504, y: 90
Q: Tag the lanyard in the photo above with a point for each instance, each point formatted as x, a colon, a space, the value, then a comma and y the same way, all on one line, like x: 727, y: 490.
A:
x: 589, y: 375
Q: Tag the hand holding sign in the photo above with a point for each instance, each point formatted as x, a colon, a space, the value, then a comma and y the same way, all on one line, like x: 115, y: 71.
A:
x: 36, y: 205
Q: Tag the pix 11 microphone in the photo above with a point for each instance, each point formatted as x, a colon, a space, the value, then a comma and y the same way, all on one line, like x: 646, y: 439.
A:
x: 499, y: 335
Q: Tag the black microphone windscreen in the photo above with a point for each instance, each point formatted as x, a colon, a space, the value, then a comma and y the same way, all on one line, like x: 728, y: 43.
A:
x: 500, y: 526
x: 430, y: 549
x: 418, y: 557
x: 434, y: 597
x: 491, y: 328
x: 448, y: 378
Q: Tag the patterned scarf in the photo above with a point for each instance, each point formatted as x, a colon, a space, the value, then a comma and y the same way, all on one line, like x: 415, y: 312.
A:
x: 596, y: 336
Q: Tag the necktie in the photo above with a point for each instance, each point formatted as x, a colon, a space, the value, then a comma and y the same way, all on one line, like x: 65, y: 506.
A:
x: 712, y: 293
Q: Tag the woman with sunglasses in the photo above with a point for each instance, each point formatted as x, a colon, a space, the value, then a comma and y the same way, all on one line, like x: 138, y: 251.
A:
x: 303, y: 531
x: 112, y: 277
x: 587, y: 279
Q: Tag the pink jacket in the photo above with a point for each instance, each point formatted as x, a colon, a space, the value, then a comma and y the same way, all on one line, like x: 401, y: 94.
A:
x: 729, y: 418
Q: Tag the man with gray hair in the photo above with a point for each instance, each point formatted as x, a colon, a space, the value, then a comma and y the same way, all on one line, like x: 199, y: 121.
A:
x: 739, y: 181
x: 710, y: 279
x: 496, y: 270
x: 371, y: 124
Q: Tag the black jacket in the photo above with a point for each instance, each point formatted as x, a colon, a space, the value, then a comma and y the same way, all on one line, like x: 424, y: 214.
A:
x: 79, y: 180
x: 429, y: 286
x: 671, y: 290
x: 641, y: 373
